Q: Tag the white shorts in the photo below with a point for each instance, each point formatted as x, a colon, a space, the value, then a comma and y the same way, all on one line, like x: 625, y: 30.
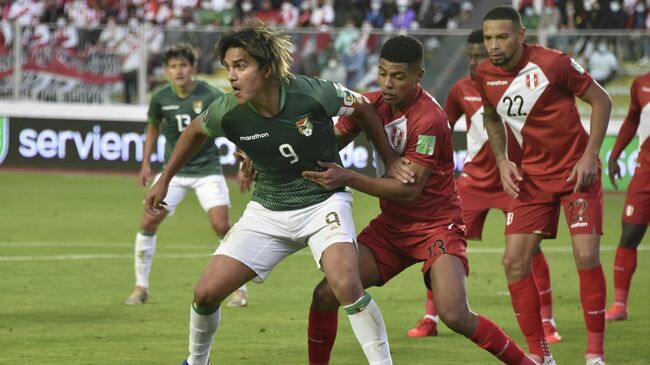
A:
x: 263, y: 237
x: 211, y: 190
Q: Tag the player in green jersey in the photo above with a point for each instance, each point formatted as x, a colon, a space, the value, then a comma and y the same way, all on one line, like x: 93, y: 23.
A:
x: 171, y: 109
x: 283, y: 122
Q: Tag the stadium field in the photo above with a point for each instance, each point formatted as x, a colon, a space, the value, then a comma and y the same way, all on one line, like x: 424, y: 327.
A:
x: 66, y: 244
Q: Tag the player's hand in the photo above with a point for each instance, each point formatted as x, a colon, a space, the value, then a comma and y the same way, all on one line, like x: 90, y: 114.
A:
x: 584, y: 172
x: 509, y: 177
x: 246, y: 166
x: 614, y: 172
x: 154, y: 200
x: 398, y: 168
x: 243, y: 182
x: 144, y: 176
x: 334, y: 176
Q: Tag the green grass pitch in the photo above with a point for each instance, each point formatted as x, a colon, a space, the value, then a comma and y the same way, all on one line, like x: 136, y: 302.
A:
x: 66, y: 244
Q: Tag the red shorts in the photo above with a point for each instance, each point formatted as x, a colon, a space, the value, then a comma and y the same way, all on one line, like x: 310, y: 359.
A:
x: 537, y: 209
x: 397, y: 246
x: 637, y: 199
x: 476, y: 203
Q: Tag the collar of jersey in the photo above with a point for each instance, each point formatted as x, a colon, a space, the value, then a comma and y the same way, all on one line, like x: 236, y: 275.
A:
x: 196, y: 84
x: 283, y: 96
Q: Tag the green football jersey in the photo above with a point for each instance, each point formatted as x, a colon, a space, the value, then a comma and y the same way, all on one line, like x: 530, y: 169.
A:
x: 285, y: 145
x: 173, y: 113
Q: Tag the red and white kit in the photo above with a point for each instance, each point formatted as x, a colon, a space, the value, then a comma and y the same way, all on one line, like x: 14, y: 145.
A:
x: 537, y: 101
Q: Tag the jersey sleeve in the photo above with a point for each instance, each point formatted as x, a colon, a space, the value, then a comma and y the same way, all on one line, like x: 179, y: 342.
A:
x: 213, y: 115
x: 347, y: 126
x: 336, y: 99
x: 478, y: 82
x: 452, y: 105
x: 424, y: 139
x: 154, y: 114
x: 570, y: 75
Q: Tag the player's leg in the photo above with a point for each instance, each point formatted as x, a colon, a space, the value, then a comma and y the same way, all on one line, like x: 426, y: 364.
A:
x: 340, y: 263
x: 222, y: 276
x: 523, y: 290
x: 448, y: 279
x: 542, y: 276
x: 635, y: 220
x: 624, y: 267
x: 145, y: 241
x: 323, y: 313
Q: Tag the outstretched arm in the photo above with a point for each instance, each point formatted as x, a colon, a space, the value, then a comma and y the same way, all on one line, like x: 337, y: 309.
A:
x: 497, y: 136
x: 188, y: 144
x: 153, y: 130
x: 585, y: 171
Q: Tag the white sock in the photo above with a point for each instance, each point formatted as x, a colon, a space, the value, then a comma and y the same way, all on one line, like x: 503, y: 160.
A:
x: 433, y: 318
x: 368, y: 325
x: 243, y: 288
x: 202, y: 329
x: 145, y: 247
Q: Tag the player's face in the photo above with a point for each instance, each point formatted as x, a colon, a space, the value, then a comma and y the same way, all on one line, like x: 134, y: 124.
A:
x: 245, y: 75
x: 476, y: 53
x: 504, y: 42
x: 397, y: 81
x: 180, y: 72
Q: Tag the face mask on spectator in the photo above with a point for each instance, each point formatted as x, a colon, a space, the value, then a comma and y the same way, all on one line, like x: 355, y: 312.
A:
x: 375, y: 5
x: 614, y: 6
x: 246, y: 6
x: 332, y: 64
x: 286, y: 6
x: 602, y: 47
x: 60, y: 22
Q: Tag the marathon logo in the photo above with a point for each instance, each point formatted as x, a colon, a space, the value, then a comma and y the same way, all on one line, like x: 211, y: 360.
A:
x: 497, y: 83
x: 472, y: 98
x: 580, y: 225
x: 254, y: 136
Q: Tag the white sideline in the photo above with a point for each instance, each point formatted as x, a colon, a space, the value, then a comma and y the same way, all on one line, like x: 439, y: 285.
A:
x: 479, y: 250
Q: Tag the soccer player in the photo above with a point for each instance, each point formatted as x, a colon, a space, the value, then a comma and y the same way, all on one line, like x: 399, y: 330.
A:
x: 636, y: 214
x: 533, y: 89
x: 171, y: 109
x: 283, y: 123
x: 419, y: 222
x: 479, y: 186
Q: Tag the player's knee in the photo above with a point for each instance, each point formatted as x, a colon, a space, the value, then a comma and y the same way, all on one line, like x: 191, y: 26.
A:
x: 456, y: 317
x: 631, y: 238
x: 205, y: 296
x: 150, y: 223
x: 323, y: 298
x: 587, y: 258
x: 515, y: 266
x: 346, y: 289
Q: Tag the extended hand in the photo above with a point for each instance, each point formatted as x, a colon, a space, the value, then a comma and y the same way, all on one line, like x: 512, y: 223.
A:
x: 509, y: 173
x: 334, y: 176
x: 144, y: 176
x: 246, y: 165
x: 398, y: 167
x: 614, y: 172
x: 584, y: 172
x: 153, y: 202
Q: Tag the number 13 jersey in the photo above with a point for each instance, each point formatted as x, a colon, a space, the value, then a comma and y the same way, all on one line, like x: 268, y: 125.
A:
x: 537, y: 101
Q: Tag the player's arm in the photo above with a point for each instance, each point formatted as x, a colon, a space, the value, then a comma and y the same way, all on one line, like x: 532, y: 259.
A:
x: 625, y: 135
x: 153, y: 131
x: 343, y: 138
x: 497, y: 136
x: 188, y: 144
x: 335, y: 176
x: 586, y: 170
x: 367, y: 118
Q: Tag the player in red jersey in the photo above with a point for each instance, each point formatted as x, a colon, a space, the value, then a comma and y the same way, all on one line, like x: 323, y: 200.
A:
x: 533, y: 89
x: 479, y: 186
x: 636, y: 214
x: 419, y: 222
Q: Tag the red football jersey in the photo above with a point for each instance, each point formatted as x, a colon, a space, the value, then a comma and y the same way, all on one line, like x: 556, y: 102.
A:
x: 480, y: 166
x: 423, y: 135
x: 638, y: 118
x: 537, y: 101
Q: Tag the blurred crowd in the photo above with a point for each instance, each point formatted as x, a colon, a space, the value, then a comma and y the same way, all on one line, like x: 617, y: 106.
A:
x: 585, y: 14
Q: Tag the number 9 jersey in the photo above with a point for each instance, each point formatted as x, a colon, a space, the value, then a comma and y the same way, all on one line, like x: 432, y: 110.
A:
x: 292, y: 141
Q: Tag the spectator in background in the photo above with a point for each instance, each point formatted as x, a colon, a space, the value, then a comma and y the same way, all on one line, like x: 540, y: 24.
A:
x: 129, y: 50
x: 66, y: 35
x: 334, y: 71
x: 346, y: 36
x: 289, y: 15
x: 111, y: 36
x: 24, y: 11
x: 603, y: 64
x: 354, y: 60
x: 6, y: 36
x: 304, y: 18
x: 375, y: 15
x: 322, y: 14
x: 268, y: 14
x: 206, y: 15
x: 228, y: 13
x: 37, y: 35
x: 405, y: 17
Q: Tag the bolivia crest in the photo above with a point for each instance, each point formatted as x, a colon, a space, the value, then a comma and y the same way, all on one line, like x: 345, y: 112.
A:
x: 532, y: 80
x: 197, y: 106
x: 305, y: 127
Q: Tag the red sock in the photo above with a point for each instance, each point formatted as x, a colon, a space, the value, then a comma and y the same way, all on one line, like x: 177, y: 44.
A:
x: 430, y: 306
x: 592, y: 297
x: 624, y: 266
x: 490, y: 337
x: 543, y: 281
x: 525, y: 301
x: 321, y: 333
